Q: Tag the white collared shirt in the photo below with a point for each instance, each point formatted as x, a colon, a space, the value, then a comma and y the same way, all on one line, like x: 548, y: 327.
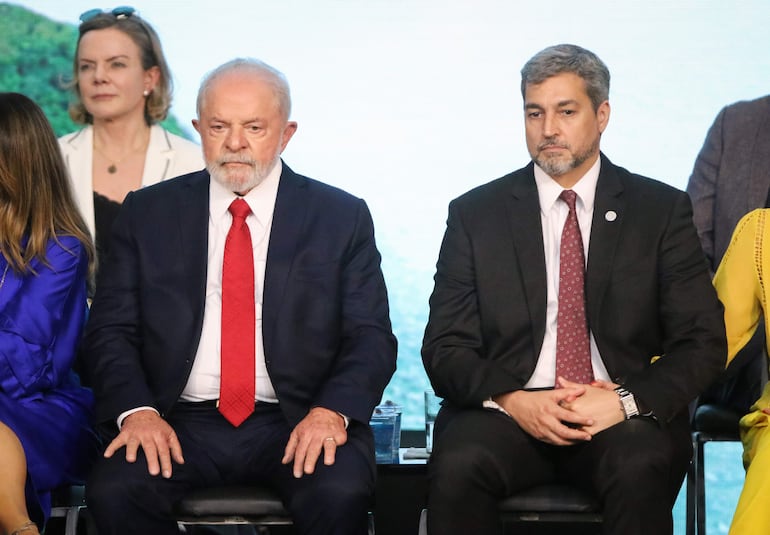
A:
x: 553, y: 214
x: 203, y: 383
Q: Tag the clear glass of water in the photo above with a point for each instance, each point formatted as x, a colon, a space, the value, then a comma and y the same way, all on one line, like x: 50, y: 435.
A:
x: 386, y: 427
x: 432, y: 406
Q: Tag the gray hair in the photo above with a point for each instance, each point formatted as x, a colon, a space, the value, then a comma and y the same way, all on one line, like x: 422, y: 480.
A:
x: 563, y: 58
x: 268, y: 74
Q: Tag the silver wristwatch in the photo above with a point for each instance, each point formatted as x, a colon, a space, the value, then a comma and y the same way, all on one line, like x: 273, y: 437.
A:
x: 627, y: 402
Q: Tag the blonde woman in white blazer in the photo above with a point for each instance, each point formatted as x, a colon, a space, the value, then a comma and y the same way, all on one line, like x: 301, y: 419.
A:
x: 167, y: 156
x: 122, y: 89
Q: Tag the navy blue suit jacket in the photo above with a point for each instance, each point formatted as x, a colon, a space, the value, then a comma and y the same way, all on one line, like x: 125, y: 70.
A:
x: 326, y: 327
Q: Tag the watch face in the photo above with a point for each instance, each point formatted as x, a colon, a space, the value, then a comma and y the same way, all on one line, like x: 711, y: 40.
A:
x: 629, y: 405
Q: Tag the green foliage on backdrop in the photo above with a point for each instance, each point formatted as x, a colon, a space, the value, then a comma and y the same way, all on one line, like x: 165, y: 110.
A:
x: 36, y: 60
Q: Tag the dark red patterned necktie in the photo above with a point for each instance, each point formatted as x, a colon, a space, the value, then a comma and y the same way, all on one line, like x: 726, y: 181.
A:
x: 573, y: 353
x: 236, y: 390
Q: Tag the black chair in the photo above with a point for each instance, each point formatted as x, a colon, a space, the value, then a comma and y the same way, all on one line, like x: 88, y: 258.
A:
x: 716, y: 415
x: 711, y: 423
x: 69, y: 503
x: 254, y: 505
x: 552, y: 503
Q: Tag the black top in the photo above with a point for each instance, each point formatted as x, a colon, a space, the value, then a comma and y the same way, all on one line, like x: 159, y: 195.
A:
x: 105, y: 212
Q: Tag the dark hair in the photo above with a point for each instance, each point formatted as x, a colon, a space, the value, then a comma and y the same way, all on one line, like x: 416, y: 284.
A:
x: 36, y: 199
x: 569, y: 58
x: 158, y: 101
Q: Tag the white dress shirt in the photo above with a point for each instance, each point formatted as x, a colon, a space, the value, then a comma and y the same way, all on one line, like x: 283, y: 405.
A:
x: 203, y: 383
x: 553, y: 214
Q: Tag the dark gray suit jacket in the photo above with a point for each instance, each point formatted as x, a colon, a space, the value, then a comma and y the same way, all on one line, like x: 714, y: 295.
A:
x: 647, y: 287
x: 731, y: 175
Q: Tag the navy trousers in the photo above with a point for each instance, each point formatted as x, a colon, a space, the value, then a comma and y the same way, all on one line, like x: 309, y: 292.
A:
x: 124, y: 498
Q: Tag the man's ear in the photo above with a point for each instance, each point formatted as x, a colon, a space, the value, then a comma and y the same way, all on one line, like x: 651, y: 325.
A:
x: 288, y: 132
x: 603, y: 115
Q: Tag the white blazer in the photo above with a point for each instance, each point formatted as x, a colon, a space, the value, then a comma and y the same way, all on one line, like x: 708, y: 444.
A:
x: 168, y: 156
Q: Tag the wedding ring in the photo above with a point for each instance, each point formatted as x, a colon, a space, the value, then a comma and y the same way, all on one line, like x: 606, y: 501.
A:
x: 331, y: 438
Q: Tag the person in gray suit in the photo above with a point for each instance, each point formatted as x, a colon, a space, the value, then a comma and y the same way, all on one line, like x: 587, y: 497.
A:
x: 731, y: 175
x: 730, y: 178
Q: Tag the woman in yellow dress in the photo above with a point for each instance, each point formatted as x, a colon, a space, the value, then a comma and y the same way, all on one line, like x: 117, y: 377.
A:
x: 743, y: 284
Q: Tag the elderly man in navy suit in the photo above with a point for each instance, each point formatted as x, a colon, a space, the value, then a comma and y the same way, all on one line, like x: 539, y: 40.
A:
x: 240, y: 332
x: 571, y: 323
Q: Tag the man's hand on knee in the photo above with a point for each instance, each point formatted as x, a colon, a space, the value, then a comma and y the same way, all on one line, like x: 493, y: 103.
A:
x: 146, y: 429
x: 322, y: 430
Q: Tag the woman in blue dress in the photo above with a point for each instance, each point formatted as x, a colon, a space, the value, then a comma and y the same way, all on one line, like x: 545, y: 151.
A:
x: 46, y: 258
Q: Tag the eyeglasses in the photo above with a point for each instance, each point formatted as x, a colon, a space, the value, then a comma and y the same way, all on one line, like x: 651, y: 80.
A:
x: 120, y: 12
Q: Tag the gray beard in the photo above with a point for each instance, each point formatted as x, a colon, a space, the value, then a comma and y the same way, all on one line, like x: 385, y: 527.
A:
x: 556, y: 167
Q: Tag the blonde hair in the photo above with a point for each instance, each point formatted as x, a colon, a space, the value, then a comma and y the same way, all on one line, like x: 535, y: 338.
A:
x: 158, y: 101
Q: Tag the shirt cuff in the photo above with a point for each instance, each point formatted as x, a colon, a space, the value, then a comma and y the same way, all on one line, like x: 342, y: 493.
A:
x: 126, y: 414
x: 346, y: 419
x: 491, y: 404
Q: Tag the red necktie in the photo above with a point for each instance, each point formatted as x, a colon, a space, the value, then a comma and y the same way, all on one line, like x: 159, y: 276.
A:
x: 236, y: 390
x: 573, y: 353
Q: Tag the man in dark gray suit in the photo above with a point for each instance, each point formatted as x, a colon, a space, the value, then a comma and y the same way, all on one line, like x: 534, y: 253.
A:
x: 500, y: 345
x: 731, y: 177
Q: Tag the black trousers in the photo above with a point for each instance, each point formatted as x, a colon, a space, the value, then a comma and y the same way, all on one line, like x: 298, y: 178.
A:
x: 481, y: 456
x: 124, y: 498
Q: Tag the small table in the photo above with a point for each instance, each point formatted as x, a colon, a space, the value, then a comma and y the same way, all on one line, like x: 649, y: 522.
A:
x: 402, y: 489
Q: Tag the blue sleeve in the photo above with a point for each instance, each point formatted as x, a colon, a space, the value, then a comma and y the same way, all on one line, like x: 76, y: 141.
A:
x: 41, y: 320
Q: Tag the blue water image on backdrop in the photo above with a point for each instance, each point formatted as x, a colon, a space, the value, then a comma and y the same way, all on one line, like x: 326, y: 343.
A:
x: 724, y: 479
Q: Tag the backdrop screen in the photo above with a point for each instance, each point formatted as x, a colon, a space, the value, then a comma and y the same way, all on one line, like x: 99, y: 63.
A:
x: 409, y: 103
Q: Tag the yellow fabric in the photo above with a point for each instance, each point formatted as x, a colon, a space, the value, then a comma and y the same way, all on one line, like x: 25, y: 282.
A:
x: 741, y: 282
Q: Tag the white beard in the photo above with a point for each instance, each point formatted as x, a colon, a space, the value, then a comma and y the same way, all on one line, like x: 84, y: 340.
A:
x: 243, y: 179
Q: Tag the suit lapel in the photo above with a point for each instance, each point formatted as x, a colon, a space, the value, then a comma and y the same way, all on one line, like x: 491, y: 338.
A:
x: 759, y: 178
x: 288, y: 220
x: 78, y: 153
x: 192, y: 220
x: 609, y: 212
x: 158, y: 159
x: 527, y: 233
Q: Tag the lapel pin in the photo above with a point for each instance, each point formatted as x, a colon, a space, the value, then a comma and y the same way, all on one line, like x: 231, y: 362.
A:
x: 610, y: 216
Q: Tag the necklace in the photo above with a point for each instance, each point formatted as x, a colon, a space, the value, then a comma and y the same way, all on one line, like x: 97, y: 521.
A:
x: 112, y: 168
